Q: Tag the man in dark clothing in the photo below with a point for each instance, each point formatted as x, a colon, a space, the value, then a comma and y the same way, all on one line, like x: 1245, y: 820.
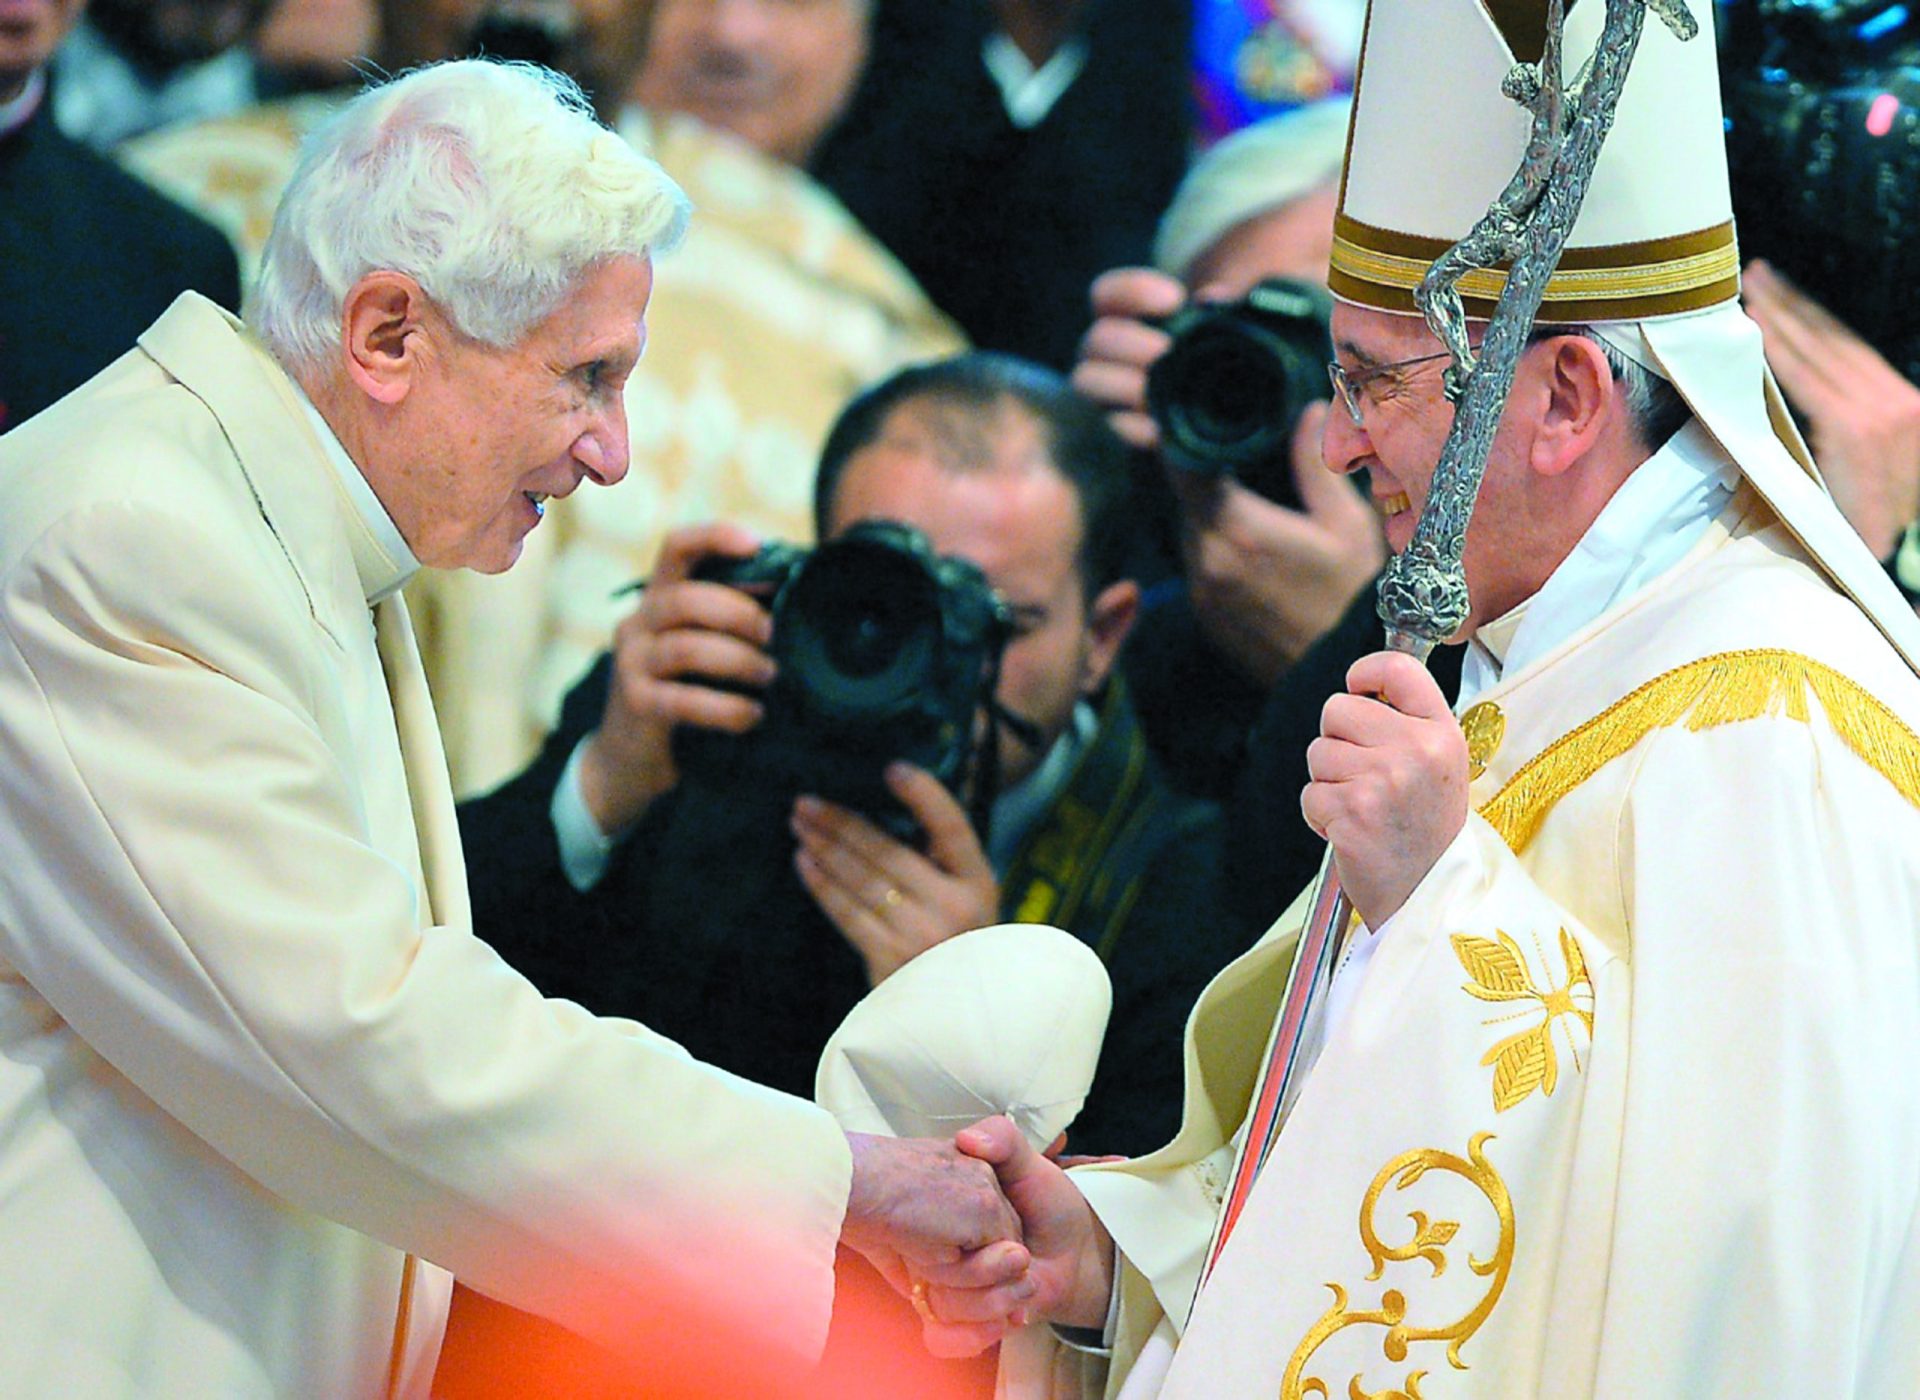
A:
x: 701, y: 916
x: 1008, y: 152
x: 89, y: 256
x: 1271, y: 852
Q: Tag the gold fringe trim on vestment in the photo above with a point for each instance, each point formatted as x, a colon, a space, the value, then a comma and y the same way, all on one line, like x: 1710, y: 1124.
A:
x: 1705, y: 694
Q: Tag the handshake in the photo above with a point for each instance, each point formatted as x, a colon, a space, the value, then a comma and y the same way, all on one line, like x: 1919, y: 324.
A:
x: 981, y: 1229
x: 985, y: 1234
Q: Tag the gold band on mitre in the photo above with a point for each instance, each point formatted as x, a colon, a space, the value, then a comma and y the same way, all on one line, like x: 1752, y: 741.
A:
x: 1669, y: 276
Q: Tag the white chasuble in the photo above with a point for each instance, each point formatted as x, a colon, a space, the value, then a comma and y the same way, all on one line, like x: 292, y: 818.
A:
x: 1459, y: 1096
x: 1627, y: 1101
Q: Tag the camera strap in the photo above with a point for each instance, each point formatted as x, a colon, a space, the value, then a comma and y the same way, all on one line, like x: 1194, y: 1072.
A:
x: 1082, y: 867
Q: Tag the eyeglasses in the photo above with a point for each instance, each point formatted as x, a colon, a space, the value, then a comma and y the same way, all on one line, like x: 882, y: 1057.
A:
x: 1347, y: 387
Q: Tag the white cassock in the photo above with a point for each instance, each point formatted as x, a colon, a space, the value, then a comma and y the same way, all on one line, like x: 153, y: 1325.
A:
x: 1627, y: 1099
x: 261, y: 1088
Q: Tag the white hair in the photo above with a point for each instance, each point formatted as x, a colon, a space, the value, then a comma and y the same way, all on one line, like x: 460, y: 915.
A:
x: 490, y: 184
x: 1257, y: 169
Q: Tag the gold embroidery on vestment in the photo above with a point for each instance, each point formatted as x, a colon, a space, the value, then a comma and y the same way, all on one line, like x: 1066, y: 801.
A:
x: 1527, y: 1060
x: 1484, y: 727
x: 1705, y: 694
x: 1430, y: 1241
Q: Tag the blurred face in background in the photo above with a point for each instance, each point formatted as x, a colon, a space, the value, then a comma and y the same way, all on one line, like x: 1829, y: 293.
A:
x: 776, y: 73
x: 319, y: 40
x: 595, y: 42
x: 169, y: 34
x: 1293, y: 240
x: 30, y: 30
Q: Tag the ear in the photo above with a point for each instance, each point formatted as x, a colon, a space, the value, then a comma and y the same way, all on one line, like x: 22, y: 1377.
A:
x: 1110, y: 617
x: 1581, y: 399
x: 384, y: 335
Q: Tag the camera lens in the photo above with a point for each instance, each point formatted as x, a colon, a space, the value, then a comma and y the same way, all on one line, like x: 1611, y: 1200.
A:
x: 1223, y: 396
x: 1231, y: 387
x: 860, y: 634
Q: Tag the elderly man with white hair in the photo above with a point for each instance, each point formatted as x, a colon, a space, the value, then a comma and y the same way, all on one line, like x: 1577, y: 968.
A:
x: 260, y: 1087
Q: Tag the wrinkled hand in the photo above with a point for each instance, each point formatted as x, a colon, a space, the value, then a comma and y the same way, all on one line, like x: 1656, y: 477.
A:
x: 925, y: 1213
x: 888, y: 900
x: 1267, y: 581
x: 1070, y: 1251
x: 1389, y: 789
x: 1121, y: 346
x: 685, y: 633
x: 1863, y: 417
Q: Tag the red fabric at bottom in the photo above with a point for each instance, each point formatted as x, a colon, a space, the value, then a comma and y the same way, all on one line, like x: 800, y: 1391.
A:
x: 494, y: 1352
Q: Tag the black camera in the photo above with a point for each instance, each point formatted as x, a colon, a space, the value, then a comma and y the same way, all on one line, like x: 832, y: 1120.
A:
x: 1230, y: 390
x: 1824, y: 157
x: 886, y: 650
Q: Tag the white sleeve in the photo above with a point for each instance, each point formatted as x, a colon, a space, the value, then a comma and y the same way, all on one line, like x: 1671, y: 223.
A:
x: 192, y: 886
x: 585, y: 849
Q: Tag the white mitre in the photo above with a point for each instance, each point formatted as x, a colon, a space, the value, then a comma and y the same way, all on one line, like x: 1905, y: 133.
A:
x: 1652, y: 260
x: 1006, y: 1019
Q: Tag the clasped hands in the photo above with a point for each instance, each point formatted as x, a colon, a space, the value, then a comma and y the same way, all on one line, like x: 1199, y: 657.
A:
x: 984, y: 1234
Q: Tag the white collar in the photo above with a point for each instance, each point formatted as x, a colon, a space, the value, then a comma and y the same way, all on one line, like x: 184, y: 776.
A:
x: 1029, y: 93
x: 1653, y: 520
x: 389, y: 563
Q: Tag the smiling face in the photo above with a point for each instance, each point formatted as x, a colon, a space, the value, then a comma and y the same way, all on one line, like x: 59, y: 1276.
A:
x: 1014, y: 516
x: 465, y: 458
x: 30, y: 30
x: 1514, y: 539
x: 776, y: 73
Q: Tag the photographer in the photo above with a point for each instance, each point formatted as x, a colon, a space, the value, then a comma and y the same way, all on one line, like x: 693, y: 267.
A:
x: 744, y: 918
x: 1280, y: 595
x: 1822, y: 153
x: 1271, y: 556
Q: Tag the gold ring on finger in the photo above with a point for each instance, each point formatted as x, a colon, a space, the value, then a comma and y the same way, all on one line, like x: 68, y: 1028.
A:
x: 918, y: 1296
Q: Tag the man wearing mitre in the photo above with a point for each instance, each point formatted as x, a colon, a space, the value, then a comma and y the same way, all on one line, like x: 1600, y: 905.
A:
x: 1611, y: 1091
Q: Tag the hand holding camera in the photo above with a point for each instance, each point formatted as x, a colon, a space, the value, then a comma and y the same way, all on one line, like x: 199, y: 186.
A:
x: 687, y: 635
x: 889, y: 900
x: 884, y: 650
x: 1230, y: 396
x: 852, y: 678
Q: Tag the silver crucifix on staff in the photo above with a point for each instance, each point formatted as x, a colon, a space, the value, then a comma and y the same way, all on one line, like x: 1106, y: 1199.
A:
x: 1423, y: 594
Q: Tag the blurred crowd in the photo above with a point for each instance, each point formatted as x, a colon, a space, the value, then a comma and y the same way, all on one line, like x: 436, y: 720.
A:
x: 877, y: 184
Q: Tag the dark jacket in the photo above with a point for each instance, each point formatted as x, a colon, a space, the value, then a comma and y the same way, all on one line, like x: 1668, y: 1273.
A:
x: 1271, y: 852
x: 1007, y: 228
x: 701, y: 930
x: 89, y: 258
